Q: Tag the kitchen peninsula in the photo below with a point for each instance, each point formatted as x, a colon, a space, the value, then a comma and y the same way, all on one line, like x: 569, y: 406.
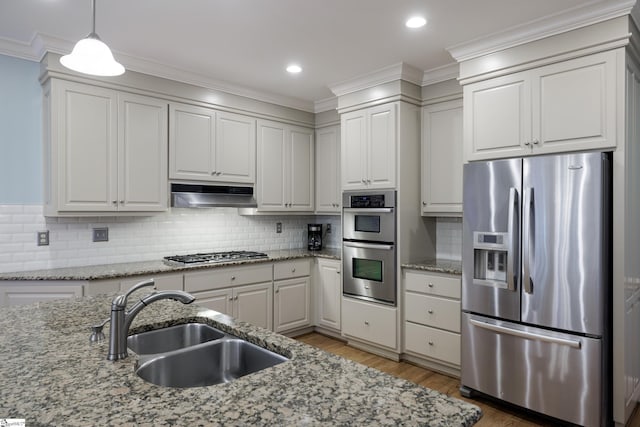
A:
x: 52, y: 375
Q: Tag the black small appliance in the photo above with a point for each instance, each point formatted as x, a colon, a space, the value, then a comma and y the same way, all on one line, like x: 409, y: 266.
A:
x: 314, y: 237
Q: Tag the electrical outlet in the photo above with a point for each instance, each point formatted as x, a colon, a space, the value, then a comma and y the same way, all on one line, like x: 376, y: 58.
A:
x: 101, y: 234
x: 278, y: 227
x: 328, y: 228
x: 43, y: 238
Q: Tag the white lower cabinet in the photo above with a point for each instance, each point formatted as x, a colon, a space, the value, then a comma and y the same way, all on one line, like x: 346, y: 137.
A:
x: 21, y: 293
x: 245, y: 293
x: 292, y: 295
x: 328, y: 297
x: 432, y: 319
x: 374, y: 323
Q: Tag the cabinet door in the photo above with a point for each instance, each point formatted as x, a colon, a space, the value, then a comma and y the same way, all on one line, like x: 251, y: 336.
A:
x: 328, y: 170
x: 28, y: 294
x: 292, y: 304
x: 574, y: 104
x: 271, y: 166
x: 442, y: 158
x: 235, y: 148
x: 191, y: 142
x: 381, y: 153
x: 220, y: 300
x: 142, y: 153
x: 354, y: 150
x: 86, y: 133
x: 329, y: 294
x: 254, y: 304
x: 301, y: 169
x: 497, y: 117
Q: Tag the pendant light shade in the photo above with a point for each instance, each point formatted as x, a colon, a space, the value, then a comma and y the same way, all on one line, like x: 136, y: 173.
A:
x: 91, y: 56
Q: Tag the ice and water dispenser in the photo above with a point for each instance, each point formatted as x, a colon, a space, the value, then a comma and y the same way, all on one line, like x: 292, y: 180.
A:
x: 490, y: 253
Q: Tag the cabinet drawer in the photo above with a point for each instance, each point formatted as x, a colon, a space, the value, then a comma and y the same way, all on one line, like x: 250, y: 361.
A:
x: 434, y: 343
x: 433, y: 311
x: 370, y: 322
x: 445, y: 286
x: 289, y: 269
x: 217, y: 278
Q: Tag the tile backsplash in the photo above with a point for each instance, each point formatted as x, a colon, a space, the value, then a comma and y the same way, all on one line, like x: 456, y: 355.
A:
x: 449, y: 238
x: 131, y: 238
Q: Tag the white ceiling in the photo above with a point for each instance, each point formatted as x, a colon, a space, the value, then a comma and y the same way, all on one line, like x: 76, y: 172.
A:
x: 245, y: 45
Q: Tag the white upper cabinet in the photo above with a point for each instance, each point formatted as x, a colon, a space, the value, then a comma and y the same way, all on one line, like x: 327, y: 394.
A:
x: 328, y: 170
x: 105, y: 151
x: 567, y: 106
x: 442, y: 158
x: 209, y: 145
x: 369, y: 144
x: 285, y: 167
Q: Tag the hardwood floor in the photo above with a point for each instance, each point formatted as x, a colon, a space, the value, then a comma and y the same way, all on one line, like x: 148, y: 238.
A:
x: 495, y: 414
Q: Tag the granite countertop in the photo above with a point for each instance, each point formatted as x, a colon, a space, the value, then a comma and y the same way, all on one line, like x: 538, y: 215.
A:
x: 52, y: 375
x: 109, y: 271
x: 437, y: 265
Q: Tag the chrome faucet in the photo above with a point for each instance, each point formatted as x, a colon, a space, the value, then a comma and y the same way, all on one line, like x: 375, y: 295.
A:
x: 121, y: 318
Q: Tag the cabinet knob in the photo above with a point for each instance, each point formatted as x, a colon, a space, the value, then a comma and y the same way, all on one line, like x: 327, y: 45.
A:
x: 231, y: 298
x: 115, y: 202
x: 122, y: 202
x: 236, y: 298
x: 337, y: 272
x: 527, y: 143
x: 424, y: 203
x: 430, y: 311
x: 233, y: 277
x: 366, y: 322
x: 277, y: 290
x: 293, y: 270
x: 430, y: 342
x: 536, y: 142
x: 430, y: 285
x: 213, y: 172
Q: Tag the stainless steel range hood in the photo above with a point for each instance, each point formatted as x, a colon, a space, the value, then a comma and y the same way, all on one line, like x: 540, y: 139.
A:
x: 211, y: 196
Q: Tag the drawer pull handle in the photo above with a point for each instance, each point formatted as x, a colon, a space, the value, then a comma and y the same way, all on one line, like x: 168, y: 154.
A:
x: 430, y: 311
x: 430, y: 285
x: 366, y: 322
x: 293, y: 270
x: 430, y: 342
x: 277, y: 290
x: 233, y: 277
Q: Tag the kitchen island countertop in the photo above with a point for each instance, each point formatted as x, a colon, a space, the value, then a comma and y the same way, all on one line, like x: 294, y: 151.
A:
x: 131, y: 269
x: 52, y: 375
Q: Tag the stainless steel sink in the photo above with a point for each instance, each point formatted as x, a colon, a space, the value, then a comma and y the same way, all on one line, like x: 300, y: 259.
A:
x: 207, y: 364
x: 172, y: 338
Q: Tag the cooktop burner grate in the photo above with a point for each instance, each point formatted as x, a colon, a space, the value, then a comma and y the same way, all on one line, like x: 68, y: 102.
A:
x: 212, y: 257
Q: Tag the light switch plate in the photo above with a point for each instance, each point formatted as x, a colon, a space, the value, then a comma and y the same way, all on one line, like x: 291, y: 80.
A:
x: 101, y: 234
x: 328, y: 228
x: 278, y: 227
x: 43, y: 238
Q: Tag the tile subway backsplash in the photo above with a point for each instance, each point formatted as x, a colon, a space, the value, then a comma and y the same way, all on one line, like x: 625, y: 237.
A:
x: 179, y: 231
x: 449, y: 238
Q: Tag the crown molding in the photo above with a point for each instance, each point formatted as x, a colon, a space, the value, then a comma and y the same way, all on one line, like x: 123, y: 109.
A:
x: 40, y: 44
x: 441, y: 74
x: 400, y: 71
x: 326, y: 104
x: 571, y: 19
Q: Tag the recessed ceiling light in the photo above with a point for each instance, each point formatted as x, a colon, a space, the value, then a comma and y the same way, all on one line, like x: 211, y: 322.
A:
x: 416, y: 22
x: 294, y: 69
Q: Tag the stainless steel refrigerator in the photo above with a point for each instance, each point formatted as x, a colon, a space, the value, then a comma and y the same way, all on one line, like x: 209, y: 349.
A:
x: 536, y: 284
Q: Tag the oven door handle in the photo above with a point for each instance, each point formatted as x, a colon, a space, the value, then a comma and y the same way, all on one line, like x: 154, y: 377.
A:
x: 368, y: 246
x: 368, y: 210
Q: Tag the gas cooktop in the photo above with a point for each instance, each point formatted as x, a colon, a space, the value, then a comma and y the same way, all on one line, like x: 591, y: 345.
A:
x: 212, y: 257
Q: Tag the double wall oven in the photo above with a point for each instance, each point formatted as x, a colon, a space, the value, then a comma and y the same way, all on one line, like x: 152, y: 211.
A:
x: 369, y: 245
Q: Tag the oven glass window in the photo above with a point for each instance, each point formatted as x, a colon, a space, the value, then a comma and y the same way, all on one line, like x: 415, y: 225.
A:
x: 368, y: 223
x: 368, y: 269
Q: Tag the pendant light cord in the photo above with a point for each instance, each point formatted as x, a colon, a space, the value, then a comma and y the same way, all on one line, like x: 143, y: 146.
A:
x: 93, y: 13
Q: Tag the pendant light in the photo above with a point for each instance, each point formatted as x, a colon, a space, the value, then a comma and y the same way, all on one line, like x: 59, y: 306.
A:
x: 91, y: 56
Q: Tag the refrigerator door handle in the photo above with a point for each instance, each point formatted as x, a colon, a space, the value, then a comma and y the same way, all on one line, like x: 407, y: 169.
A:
x: 512, y: 230
x: 526, y: 335
x: 526, y: 241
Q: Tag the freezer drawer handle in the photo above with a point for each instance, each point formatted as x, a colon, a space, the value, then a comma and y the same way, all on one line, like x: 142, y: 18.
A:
x: 526, y: 335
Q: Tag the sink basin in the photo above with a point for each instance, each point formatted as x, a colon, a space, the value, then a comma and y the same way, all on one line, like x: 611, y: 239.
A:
x: 172, y: 338
x: 207, y: 364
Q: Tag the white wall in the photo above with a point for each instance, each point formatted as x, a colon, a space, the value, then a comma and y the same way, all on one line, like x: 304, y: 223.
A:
x: 145, y: 238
